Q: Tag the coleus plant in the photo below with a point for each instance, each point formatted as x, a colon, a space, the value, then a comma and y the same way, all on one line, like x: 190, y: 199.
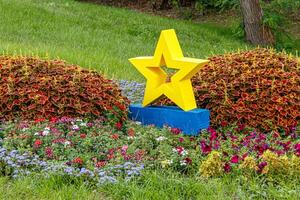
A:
x: 32, y: 88
x: 259, y: 88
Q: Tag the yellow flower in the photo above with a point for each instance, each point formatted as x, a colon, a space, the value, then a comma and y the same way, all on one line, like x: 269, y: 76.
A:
x: 249, y: 163
x: 165, y: 163
x: 276, y: 164
x: 295, y: 164
x: 212, y: 166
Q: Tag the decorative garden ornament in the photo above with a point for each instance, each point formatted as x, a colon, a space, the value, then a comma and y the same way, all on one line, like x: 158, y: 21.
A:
x: 179, y: 88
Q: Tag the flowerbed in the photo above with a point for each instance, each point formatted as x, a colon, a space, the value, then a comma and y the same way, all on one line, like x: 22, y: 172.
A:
x: 87, y: 147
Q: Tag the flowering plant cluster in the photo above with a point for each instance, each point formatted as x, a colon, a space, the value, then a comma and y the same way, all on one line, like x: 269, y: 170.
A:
x: 85, y: 146
x: 93, y: 145
x: 16, y: 164
x: 32, y: 88
x: 259, y: 88
x: 78, y: 143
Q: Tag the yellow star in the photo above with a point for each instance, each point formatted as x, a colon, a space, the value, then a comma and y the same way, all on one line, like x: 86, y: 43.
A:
x: 168, y: 53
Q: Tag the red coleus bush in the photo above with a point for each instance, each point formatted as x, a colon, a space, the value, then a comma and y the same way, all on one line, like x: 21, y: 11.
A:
x: 259, y: 88
x: 36, y: 89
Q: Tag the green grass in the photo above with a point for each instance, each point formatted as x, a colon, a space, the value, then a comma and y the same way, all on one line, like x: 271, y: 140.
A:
x: 153, y: 185
x: 103, y: 38
x: 99, y: 37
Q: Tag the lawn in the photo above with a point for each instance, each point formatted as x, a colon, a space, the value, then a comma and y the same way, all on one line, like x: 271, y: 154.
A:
x: 99, y: 37
x: 103, y: 38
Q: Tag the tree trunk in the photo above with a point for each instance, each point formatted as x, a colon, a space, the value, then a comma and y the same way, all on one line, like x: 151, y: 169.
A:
x: 256, y: 32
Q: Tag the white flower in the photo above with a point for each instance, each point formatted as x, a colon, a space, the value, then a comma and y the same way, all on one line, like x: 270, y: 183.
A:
x: 184, y: 152
x: 67, y: 142
x: 45, y: 132
x: 37, y: 133
x: 75, y: 127
x: 78, y: 120
x: 82, y: 124
x: 47, y: 129
x: 182, y: 162
x: 161, y: 138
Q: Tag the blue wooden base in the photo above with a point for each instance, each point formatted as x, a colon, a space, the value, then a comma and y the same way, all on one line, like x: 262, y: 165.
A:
x: 190, y: 122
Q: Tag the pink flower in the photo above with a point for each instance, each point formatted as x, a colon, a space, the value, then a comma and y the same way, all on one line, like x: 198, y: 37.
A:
x: 49, y: 152
x: 206, y: 149
x: 216, y: 144
x: 181, y: 139
x: 235, y: 159
x: 179, y: 150
x: 124, y: 150
x: 213, y: 135
x: 227, y: 167
x: 175, y: 131
x: 279, y: 152
x: 297, y: 149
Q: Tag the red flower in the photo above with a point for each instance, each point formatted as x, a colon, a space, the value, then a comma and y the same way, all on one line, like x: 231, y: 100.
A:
x: 82, y: 135
x: 115, y: 136
x: 235, y: 159
x: 100, y: 164
x: 39, y: 120
x: 37, y: 143
x: 118, y: 125
x: 188, y: 160
x: 78, y: 160
x: 181, y: 139
x: 175, y: 131
x: 227, y: 167
x: 53, y: 119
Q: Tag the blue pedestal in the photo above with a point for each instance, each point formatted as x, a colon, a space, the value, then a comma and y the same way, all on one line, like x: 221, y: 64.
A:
x: 190, y: 122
